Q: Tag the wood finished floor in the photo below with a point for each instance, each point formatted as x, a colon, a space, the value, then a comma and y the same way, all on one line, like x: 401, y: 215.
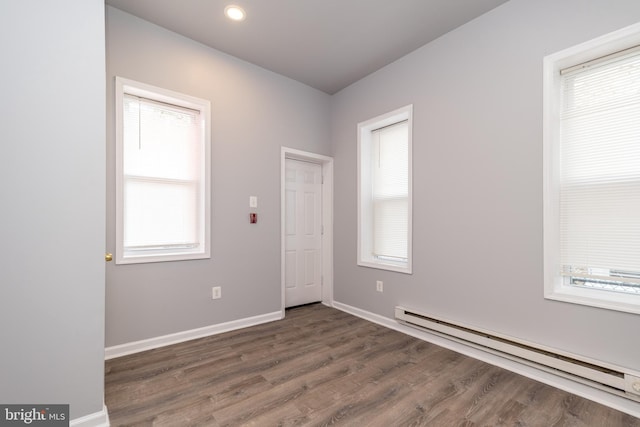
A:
x: 320, y: 367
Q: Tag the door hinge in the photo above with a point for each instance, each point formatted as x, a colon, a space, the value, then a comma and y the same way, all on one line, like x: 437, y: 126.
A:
x: 321, y: 179
x: 322, y: 230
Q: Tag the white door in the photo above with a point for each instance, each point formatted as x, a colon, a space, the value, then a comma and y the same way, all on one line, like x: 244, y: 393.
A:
x: 303, y: 232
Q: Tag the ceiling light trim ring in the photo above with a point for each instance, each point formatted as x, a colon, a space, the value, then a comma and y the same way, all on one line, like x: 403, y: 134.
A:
x: 235, y: 13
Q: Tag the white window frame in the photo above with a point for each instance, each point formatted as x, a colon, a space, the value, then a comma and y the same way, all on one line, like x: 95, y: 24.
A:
x: 365, y: 221
x: 554, y: 285
x: 125, y: 86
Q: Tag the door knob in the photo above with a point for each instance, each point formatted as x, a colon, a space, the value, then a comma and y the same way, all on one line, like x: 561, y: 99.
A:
x: 108, y: 257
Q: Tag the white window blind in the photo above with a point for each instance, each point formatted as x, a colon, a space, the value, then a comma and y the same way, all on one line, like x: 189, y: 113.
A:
x: 390, y: 192
x: 600, y: 173
x: 162, y: 174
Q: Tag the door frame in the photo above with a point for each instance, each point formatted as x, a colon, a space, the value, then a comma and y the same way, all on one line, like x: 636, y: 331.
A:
x: 326, y: 163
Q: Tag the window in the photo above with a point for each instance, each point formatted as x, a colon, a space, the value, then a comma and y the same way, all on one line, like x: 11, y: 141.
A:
x: 592, y: 173
x: 384, y: 191
x: 162, y: 174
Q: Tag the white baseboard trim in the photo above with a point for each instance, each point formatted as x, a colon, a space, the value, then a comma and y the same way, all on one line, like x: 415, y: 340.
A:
x: 97, y: 419
x: 151, y: 343
x: 611, y: 400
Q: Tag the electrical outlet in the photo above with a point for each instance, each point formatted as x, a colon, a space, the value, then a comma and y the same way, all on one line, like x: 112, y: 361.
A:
x: 216, y: 292
x: 379, y: 286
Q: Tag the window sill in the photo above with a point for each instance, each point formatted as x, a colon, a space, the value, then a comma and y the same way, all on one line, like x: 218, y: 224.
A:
x: 142, y: 259
x: 595, y: 298
x: 397, y: 267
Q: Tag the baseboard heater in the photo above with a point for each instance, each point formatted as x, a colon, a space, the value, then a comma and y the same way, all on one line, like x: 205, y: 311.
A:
x: 597, y: 374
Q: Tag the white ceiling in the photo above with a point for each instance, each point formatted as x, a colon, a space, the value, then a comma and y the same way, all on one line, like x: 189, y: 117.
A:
x: 326, y: 44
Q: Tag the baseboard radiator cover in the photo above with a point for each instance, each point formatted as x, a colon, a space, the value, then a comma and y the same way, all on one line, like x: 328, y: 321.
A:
x: 604, y: 376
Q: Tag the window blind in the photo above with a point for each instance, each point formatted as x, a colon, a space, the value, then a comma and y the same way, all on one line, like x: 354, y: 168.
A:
x: 390, y: 191
x: 162, y: 170
x: 600, y: 170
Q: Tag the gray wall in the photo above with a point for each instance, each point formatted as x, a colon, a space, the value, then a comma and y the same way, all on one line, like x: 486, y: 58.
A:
x: 254, y: 112
x: 478, y: 256
x: 52, y: 179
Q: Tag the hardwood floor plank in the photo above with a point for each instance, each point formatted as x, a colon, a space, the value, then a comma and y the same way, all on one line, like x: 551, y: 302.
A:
x: 320, y: 367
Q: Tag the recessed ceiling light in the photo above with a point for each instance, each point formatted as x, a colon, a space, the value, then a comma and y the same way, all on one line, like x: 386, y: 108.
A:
x: 235, y: 13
